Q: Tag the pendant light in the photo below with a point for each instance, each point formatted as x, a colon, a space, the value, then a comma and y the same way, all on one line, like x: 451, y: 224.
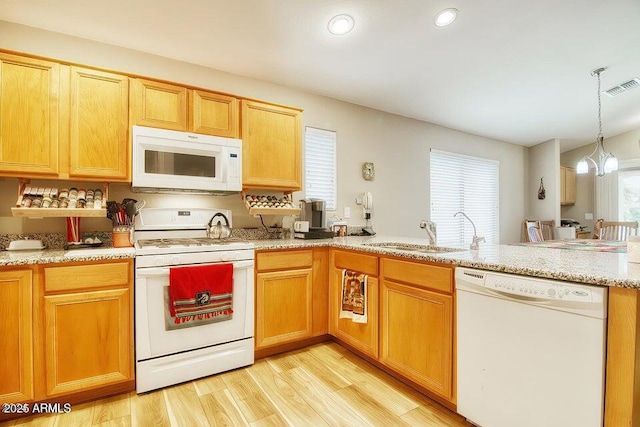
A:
x: 602, y: 161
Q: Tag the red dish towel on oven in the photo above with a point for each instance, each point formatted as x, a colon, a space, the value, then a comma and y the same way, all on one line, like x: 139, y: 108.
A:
x: 201, y: 292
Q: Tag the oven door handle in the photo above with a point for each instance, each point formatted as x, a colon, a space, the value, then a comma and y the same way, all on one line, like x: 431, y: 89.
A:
x: 164, y: 271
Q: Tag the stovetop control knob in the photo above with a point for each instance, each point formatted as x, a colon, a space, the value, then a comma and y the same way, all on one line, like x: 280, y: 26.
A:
x: 175, y: 260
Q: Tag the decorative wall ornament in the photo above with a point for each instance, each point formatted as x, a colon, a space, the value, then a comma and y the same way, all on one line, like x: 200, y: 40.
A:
x: 541, y: 191
x: 368, y: 172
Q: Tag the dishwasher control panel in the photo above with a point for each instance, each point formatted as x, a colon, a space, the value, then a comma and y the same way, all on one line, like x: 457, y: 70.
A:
x: 538, y: 288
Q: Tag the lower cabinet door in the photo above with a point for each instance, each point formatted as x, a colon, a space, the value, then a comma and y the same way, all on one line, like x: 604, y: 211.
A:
x: 283, y: 307
x: 362, y: 336
x: 16, y: 326
x: 417, y: 335
x: 87, y: 340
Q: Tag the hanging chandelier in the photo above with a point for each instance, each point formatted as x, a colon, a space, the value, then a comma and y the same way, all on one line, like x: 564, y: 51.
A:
x: 602, y: 161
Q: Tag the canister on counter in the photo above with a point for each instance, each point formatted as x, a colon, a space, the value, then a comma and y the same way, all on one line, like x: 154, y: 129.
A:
x: 633, y: 249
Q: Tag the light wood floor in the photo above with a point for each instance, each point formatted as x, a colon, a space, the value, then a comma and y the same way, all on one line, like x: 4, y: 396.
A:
x: 320, y: 385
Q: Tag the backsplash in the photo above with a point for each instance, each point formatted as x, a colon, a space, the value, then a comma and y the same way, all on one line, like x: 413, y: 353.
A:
x: 54, y: 240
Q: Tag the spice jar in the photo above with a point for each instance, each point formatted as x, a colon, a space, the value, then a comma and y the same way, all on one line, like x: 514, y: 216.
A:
x: 64, y: 194
x: 73, y: 193
x: 82, y: 194
x: 46, y: 201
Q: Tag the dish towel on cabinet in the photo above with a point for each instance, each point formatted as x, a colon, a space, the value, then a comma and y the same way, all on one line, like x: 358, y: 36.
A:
x: 354, y: 296
x: 201, y: 292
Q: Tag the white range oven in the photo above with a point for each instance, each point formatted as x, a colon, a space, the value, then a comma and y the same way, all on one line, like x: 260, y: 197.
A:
x: 169, y: 349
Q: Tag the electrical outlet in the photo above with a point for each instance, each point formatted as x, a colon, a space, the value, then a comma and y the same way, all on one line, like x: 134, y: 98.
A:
x: 588, y: 215
x: 359, y: 200
x: 347, y: 212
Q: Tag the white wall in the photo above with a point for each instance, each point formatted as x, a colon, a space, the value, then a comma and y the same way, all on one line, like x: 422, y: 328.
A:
x: 397, y: 145
x: 625, y: 146
x: 544, y: 161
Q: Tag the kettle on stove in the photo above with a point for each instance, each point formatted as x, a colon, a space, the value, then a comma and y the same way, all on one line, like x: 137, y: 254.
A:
x: 219, y: 230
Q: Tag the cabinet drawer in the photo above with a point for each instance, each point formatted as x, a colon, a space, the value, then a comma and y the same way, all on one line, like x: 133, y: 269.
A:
x: 423, y: 275
x: 278, y: 260
x: 367, y: 264
x: 86, y: 276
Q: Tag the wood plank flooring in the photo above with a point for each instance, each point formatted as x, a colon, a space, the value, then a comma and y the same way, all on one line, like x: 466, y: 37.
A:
x: 322, y: 385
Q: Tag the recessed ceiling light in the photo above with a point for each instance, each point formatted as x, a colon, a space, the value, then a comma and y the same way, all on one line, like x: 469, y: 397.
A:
x: 340, y: 24
x: 445, y: 17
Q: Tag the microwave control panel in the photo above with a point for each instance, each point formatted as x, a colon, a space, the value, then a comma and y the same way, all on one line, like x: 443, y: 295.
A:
x: 234, y: 167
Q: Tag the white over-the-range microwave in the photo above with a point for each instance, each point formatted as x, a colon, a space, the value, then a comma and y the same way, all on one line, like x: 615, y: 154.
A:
x: 172, y: 161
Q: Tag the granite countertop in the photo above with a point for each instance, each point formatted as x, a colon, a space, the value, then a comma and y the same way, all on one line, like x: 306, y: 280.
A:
x: 589, y: 267
x: 50, y: 256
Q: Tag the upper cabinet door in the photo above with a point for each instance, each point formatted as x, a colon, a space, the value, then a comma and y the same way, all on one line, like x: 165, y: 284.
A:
x: 213, y: 114
x: 99, y: 143
x: 29, y: 97
x: 158, y: 105
x: 271, y: 140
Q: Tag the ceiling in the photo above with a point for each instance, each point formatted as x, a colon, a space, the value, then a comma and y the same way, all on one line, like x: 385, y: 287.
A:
x: 513, y: 70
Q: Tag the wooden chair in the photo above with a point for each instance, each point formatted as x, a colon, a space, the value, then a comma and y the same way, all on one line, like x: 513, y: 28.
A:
x: 538, y: 231
x: 609, y: 230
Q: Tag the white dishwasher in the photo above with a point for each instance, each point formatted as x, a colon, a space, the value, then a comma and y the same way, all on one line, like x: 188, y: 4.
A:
x: 530, y: 352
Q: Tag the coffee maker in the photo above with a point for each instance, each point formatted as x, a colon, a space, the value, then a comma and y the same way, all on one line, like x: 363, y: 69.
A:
x: 313, y: 211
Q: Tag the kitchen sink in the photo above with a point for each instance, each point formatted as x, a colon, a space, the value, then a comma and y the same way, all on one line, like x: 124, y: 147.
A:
x: 427, y: 249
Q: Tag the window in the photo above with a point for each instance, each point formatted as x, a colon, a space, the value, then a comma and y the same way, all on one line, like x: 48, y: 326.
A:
x: 629, y: 190
x: 467, y: 184
x: 320, y: 166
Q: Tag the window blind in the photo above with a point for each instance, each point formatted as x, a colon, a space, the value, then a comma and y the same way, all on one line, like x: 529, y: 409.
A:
x: 467, y: 184
x: 320, y: 166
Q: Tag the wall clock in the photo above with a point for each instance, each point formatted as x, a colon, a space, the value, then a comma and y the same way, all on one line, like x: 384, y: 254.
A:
x: 368, y: 172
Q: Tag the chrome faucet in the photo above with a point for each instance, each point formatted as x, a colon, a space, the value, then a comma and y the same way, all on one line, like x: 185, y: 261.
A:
x: 475, y: 243
x: 430, y: 228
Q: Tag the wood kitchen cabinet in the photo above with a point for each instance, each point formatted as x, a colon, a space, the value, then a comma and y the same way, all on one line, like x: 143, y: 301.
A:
x: 175, y: 107
x: 158, y: 105
x: 271, y: 146
x: 29, y: 116
x: 283, y: 298
x: 16, y: 335
x: 88, y: 326
x: 416, y: 323
x: 99, y: 144
x: 62, y: 122
x: 213, y: 114
x: 567, y: 185
x: 361, y: 336
x: 291, y: 296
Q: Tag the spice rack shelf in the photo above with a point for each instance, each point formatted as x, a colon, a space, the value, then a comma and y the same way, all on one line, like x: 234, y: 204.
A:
x: 57, y: 212
x: 282, y: 206
x: 30, y: 212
